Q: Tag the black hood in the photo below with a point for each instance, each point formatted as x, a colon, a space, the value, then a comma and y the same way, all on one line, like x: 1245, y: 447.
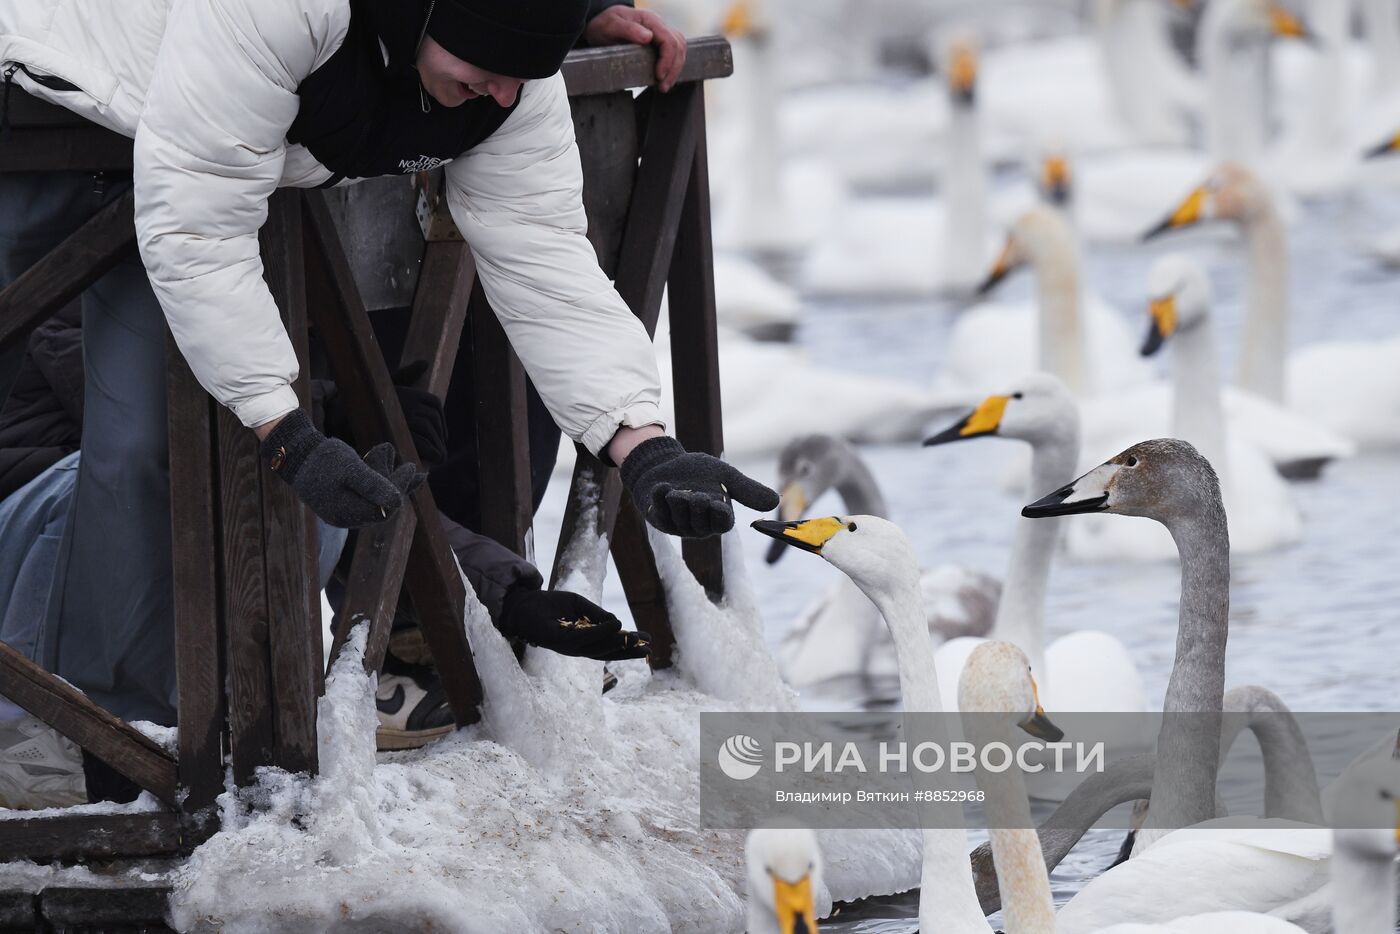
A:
x: 399, y: 25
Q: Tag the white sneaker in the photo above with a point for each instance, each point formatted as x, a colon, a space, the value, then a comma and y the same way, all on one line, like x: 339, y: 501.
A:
x: 38, y: 767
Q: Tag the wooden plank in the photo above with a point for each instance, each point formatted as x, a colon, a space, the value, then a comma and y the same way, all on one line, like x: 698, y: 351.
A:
x: 70, y: 712
x: 636, y: 567
x: 251, y: 732
x: 194, y: 533
x: 502, y: 430
x: 65, y: 149
x: 439, y: 312
x: 90, y: 836
x: 434, y: 578
x: 133, y: 907
x: 65, y: 273
x: 615, y: 68
x: 605, y: 127
x: 293, y: 598
x: 695, y: 344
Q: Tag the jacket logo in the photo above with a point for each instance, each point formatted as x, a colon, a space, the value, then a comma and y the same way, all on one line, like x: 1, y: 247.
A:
x: 421, y: 164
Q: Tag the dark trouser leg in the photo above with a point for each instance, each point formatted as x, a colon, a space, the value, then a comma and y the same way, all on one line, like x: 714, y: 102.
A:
x: 110, y: 626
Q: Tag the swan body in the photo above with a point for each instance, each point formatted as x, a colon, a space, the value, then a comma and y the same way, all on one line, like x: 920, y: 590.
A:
x: 994, y: 344
x: 784, y: 870
x: 841, y: 635
x: 1326, y: 381
x: 1080, y: 671
x: 1155, y: 94
x: 877, y: 557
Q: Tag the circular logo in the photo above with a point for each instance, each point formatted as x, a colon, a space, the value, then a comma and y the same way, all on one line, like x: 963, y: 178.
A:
x: 740, y: 757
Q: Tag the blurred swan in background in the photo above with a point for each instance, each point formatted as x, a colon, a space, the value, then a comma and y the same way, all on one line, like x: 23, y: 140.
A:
x: 1085, y: 670
x: 841, y: 636
x: 1154, y: 92
x: 784, y: 870
x: 1350, y: 387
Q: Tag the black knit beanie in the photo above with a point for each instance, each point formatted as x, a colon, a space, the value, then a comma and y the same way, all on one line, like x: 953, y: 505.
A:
x: 515, y: 38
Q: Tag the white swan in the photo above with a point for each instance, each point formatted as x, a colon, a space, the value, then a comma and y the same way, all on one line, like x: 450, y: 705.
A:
x: 1233, y: 49
x: 1155, y: 93
x: 841, y: 636
x: 884, y: 246
x: 1350, y: 387
x: 1089, y: 349
x: 1261, y: 509
x: 784, y: 867
x: 1085, y: 670
x: 1203, y: 867
x: 874, y: 553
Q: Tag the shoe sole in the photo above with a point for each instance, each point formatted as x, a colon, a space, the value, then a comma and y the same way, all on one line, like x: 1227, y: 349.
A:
x: 387, y: 739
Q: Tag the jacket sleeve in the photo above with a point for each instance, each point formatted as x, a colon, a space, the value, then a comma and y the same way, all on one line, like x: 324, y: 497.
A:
x: 209, y: 152
x: 517, y: 198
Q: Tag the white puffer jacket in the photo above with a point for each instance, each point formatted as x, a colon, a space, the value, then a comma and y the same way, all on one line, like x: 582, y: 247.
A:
x: 208, y: 89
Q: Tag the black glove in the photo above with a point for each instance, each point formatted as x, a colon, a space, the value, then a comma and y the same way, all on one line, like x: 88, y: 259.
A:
x: 421, y: 410
x: 688, y: 494
x: 568, y: 624
x: 330, y: 477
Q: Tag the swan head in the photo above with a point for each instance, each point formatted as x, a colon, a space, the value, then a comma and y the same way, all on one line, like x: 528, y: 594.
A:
x: 1167, y: 480
x: 785, y: 874
x: 960, y: 69
x: 1178, y: 299
x: 808, y: 467
x: 1366, y: 811
x: 1040, y: 234
x: 997, y: 678
x: 1391, y: 144
x: 1055, y: 179
x: 1232, y: 193
x: 744, y: 19
x: 871, y: 551
x: 1251, y: 21
x: 1037, y: 409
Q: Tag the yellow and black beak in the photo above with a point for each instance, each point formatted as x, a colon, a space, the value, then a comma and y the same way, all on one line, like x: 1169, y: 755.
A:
x: 739, y: 21
x: 794, y: 905
x: 1039, y: 724
x: 1162, y: 312
x: 1385, y: 148
x: 1285, y: 23
x: 807, y: 534
x: 1004, y: 265
x: 1191, y: 211
x: 794, y: 504
x: 1055, y: 180
x: 962, y: 74
x: 983, y: 420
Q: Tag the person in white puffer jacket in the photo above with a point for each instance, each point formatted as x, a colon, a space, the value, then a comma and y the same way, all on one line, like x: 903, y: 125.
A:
x: 227, y: 100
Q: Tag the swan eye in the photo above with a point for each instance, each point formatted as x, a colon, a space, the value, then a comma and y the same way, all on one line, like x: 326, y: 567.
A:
x: 851, y: 527
x: 1018, y: 395
x: 1131, y: 462
x: 1385, y: 795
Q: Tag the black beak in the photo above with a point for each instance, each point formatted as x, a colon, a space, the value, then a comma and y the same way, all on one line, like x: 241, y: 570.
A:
x: 1054, y: 505
x: 965, y: 97
x: 777, y: 530
x: 1383, y: 149
x: 952, y: 433
x: 1040, y: 727
x: 1157, y: 231
x: 1058, y: 195
x: 989, y: 283
x: 1154, y: 340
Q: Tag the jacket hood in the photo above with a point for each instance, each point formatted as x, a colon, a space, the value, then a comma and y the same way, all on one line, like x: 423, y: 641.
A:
x: 399, y: 25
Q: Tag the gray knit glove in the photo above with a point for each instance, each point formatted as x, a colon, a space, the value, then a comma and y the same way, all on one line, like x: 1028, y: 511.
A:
x: 688, y: 494
x: 330, y: 477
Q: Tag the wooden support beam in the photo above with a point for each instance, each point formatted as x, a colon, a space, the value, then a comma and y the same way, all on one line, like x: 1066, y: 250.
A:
x: 598, y: 71
x: 434, y: 578
x: 695, y: 343
x: 199, y: 674
x: 88, y: 836
x: 289, y: 529
x: 70, y: 712
x: 502, y: 432
x: 66, y: 271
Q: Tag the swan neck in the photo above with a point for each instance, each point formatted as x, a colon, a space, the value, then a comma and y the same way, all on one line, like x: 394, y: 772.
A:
x: 903, y: 611
x: 1061, y: 330
x: 1265, y: 340
x: 1290, y: 781
x: 1020, y: 616
x: 1237, y: 75
x: 764, y: 158
x: 860, y: 492
x: 963, y: 188
x: 1198, y: 414
x: 1363, y: 889
x: 1188, y: 747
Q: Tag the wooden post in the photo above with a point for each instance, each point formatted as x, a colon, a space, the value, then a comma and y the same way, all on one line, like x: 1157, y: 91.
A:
x: 502, y: 435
